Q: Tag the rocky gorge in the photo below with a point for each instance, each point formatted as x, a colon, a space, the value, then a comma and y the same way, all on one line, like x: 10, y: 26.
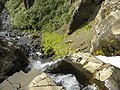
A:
x: 59, y: 45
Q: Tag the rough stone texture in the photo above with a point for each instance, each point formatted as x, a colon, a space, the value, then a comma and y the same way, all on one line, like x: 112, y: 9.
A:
x: 69, y: 81
x: 85, y: 11
x: 113, y: 82
x: 107, y: 28
x: 99, y: 71
x: 12, y: 59
x: 2, y: 2
x: 116, y: 27
x: 89, y: 69
x: 34, y: 80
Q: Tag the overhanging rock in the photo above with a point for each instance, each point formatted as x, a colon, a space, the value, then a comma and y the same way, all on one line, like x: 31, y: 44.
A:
x: 99, y: 72
x: 89, y: 70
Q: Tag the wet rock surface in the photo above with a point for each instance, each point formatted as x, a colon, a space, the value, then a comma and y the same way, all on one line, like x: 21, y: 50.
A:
x: 5, y: 20
x: 69, y: 81
x: 16, y: 48
x: 83, y: 72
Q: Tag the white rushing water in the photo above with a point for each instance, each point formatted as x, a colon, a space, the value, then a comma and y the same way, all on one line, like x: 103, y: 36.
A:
x: 42, y: 66
x: 113, y: 60
x: 68, y: 81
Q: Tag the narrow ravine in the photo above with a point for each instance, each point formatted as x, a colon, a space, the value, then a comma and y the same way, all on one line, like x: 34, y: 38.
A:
x: 68, y: 81
x: 60, y: 45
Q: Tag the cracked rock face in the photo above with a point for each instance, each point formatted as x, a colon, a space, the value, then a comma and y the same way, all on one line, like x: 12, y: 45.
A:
x: 107, y: 28
x: 85, y: 11
x: 98, y: 72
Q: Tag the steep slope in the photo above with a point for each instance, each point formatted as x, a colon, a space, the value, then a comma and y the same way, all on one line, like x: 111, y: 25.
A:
x: 40, y: 14
x: 106, y: 39
x: 63, y: 22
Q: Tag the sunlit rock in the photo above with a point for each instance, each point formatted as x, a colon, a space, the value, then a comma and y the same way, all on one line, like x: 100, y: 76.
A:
x: 34, y: 80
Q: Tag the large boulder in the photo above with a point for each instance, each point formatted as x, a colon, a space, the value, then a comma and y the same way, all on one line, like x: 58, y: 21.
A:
x: 88, y: 70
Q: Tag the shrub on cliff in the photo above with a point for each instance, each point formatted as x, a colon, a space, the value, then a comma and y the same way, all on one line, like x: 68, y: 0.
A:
x: 42, y: 15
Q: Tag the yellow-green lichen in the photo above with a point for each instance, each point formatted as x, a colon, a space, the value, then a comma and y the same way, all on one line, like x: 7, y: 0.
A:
x: 99, y: 52
x: 52, y: 40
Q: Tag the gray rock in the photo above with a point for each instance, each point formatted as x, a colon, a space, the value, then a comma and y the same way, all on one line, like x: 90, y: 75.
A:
x: 12, y: 59
x: 106, y: 30
x: 5, y: 19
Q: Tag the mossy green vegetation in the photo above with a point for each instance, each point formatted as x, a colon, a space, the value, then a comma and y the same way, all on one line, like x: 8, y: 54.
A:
x: 99, y: 52
x: 47, y: 15
x: 63, y: 44
x: 54, y: 41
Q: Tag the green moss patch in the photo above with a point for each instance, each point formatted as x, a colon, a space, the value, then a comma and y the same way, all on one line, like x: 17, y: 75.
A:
x: 54, y: 41
x: 99, y: 52
x: 63, y: 44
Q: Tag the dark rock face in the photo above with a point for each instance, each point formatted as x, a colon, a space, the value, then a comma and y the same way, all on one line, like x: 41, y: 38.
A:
x: 2, y: 2
x: 12, y: 59
x: 85, y: 12
x: 15, y: 48
x: 28, y: 3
